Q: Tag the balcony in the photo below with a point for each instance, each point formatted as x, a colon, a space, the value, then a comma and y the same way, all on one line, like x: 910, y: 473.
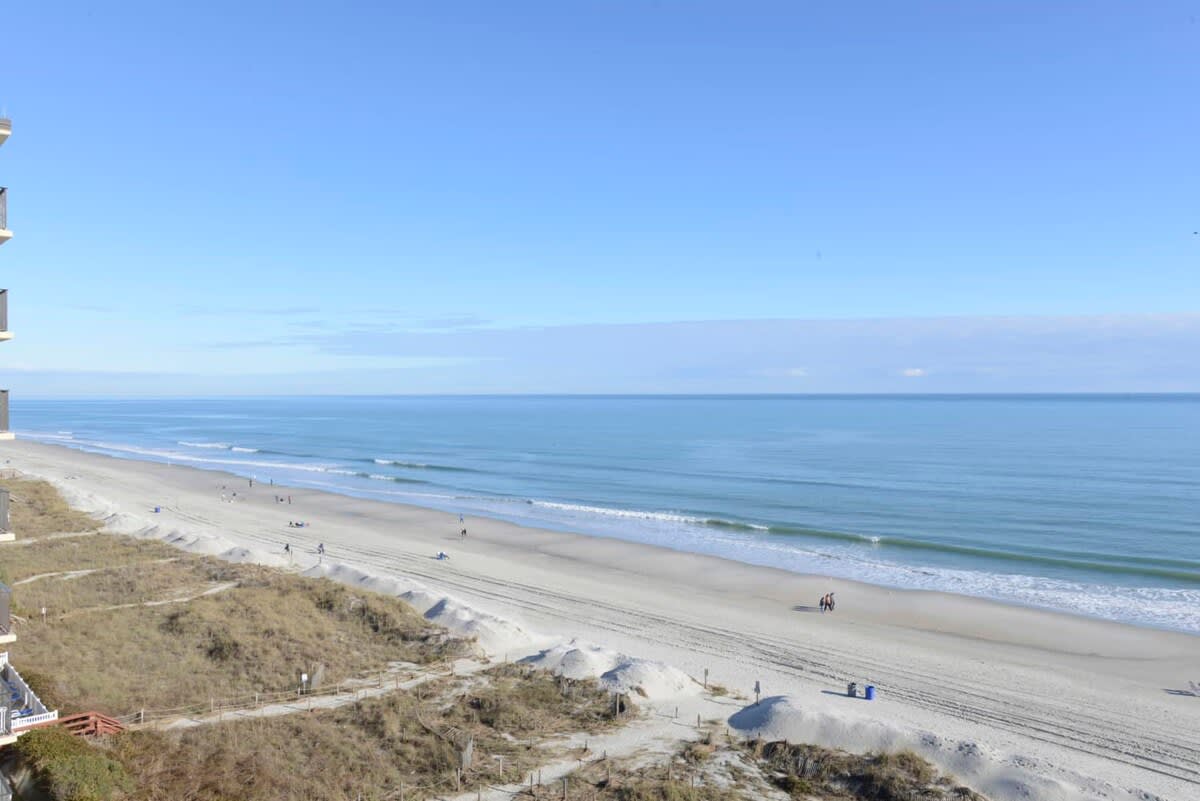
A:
x: 4, y: 332
x: 5, y: 128
x: 4, y: 432
x: 5, y: 234
x: 6, y: 532
x: 20, y: 708
x: 7, y: 634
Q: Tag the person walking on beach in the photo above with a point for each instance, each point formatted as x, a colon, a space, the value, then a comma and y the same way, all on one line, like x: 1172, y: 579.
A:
x: 464, y: 533
x: 321, y: 549
x: 822, y: 603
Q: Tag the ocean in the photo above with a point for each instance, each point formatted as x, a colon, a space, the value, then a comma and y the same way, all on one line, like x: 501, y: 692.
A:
x: 1084, y: 504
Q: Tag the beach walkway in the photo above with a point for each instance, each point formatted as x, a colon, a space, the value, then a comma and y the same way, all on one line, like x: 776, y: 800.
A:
x: 266, y: 705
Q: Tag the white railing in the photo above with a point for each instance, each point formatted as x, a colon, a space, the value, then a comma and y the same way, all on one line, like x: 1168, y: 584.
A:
x: 26, y: 697
x: 33, y: 720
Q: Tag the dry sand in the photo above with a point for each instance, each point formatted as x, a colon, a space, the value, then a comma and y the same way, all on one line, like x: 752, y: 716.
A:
x: 1017, y: 702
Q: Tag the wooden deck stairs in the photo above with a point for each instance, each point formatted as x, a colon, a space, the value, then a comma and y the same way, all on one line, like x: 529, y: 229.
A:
x: 91, y: 724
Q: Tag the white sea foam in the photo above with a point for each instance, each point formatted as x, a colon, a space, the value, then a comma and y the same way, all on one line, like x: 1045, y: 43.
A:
x: 633, y: 514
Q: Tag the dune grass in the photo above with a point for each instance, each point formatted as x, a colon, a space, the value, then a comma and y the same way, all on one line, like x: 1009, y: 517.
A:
x: 69, y: 594
x: 716, y: 769
x: 36, y: 508
x: 22, y: 560
x: 372, y: 748
x: 257, y: 635
x: 806, y: 771
x: 525, y: 702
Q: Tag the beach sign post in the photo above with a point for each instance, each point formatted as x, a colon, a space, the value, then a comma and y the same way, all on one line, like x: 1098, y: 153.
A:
x: 757, y: 692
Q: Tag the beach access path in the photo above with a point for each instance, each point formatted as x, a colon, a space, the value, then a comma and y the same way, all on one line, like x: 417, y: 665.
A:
x: 1097, y: 709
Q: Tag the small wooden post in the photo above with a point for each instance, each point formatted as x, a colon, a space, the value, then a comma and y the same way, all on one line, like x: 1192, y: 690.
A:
x: 564, y: 798
x: 706, y: 678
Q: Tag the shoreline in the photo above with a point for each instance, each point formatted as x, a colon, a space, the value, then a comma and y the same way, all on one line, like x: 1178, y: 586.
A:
x: 565, y: 530
x: 1017, y: 680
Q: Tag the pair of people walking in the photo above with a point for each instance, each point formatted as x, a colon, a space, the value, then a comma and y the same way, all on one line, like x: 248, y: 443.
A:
x: 826, y: 603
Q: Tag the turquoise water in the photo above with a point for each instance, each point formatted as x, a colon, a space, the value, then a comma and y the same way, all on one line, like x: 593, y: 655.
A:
x: 1087, y: 504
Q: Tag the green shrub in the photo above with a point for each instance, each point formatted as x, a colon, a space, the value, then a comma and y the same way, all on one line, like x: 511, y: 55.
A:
x: 68, y: 769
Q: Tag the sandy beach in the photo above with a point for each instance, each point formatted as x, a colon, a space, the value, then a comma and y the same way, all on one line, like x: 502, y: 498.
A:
x: 1019, y: 702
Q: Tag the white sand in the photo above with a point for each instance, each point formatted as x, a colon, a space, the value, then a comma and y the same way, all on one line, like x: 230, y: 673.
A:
x: 1018, y: 703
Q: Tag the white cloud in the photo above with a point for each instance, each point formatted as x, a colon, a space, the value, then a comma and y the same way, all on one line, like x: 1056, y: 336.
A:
x: 914, y: 372
x: 783, y: 372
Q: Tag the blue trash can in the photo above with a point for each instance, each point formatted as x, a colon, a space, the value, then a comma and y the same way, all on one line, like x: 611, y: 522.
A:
x: 157, y: 509
x: 870, y: 692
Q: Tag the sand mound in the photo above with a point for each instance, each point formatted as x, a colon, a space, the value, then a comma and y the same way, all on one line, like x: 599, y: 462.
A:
x: 575, y: 660
x: 780, y: 717
x: 616, y: 671
x: 198, y: 543
x: 253, y: 556
x: 497, y: 636
x: 494, y: 634
x: 996, y: 775
x: 654, y: 680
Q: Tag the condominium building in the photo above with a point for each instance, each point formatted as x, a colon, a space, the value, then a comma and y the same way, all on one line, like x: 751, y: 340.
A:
x: 20, y: 708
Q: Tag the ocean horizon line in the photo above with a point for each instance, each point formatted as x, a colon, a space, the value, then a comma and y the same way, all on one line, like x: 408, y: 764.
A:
x: 638, y: 395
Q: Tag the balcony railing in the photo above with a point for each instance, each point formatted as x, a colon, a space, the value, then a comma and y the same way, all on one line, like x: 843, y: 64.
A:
x: 3, y: 311
x: 3, y: 411
x: 5, y: 609
x: 4, y: 513
x: 3, y: 208
x: 20, y: 707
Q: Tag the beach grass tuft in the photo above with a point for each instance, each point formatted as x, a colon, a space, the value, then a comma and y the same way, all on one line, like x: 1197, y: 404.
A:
x: 36, y: 509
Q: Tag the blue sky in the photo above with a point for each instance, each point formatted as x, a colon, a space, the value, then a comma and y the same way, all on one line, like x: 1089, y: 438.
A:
x: 601, y: 196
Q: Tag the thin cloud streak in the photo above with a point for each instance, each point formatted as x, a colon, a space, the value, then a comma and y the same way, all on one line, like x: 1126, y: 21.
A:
x: 1116, y: 353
